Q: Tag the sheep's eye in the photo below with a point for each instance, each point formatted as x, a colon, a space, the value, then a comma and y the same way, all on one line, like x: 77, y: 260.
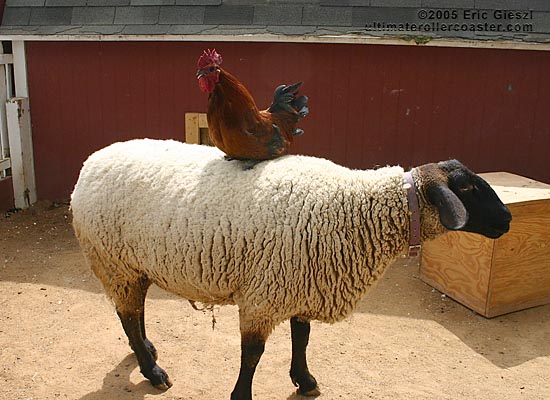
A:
x: 467, y: 188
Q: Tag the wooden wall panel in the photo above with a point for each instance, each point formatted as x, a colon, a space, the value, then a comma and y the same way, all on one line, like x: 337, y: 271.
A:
x: 6, y: 195
x: 370, y: 105
x: 458, y: 264
x: 2, y: 5
x: 521, y: 269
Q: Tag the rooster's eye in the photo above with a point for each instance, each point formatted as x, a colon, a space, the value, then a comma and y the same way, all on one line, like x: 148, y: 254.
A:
x: 212, y: 69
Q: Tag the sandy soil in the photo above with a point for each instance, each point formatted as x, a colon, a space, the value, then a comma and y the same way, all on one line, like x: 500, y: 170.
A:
x: 60, y: 338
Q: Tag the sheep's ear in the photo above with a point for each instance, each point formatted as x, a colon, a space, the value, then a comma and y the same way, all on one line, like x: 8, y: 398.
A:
x: 452, y: 213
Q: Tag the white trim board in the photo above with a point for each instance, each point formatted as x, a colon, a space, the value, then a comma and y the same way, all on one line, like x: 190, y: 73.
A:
x: 5, y: 164
x: 343, y: 39
x: 21, y: 155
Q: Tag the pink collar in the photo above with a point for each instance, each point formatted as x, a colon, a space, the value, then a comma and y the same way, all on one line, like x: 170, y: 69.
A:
x: 414, y: 214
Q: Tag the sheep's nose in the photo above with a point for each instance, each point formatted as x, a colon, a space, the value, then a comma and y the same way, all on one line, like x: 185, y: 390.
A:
x: 507, y: 215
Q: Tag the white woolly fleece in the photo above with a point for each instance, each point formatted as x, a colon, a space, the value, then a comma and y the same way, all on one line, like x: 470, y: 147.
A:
x: 295, y: 236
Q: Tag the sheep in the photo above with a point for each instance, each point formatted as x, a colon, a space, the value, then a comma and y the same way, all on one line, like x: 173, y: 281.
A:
x: 297, y: 238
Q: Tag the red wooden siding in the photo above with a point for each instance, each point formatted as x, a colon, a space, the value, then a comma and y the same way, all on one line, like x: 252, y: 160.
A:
x: 2, y: 5
x: 6, y: 195
x: 370, y: 105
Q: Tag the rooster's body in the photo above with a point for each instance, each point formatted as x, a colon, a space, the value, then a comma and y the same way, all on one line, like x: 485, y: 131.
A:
x: 235, y: 124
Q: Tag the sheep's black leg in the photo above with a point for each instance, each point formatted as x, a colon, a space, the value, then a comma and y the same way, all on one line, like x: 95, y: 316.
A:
x: 130, y: 302
x: 253, y: 337
x: 252, y: 348
x: 144, y: 285
x: 299, y: 373
x: 150, y: 347
x: 148, y: 366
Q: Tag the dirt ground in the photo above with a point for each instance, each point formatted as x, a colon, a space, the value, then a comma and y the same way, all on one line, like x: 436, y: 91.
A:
x: 60, y: 337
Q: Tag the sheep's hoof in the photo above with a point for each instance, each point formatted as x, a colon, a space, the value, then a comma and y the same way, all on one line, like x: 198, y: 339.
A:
x: 307, y: 386
x: 159, y: 378
x: 310, y: 393
x: 163, y: 386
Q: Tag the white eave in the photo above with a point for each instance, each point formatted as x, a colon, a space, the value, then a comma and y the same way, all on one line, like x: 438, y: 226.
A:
x: 269, y: 37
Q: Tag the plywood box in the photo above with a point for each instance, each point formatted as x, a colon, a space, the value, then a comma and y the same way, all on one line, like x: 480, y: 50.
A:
x: 196, y: 129
x: 494, y: 277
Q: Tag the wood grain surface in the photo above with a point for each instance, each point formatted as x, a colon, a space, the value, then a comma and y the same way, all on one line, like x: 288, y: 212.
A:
x: 458, y: 264
x: 520, y: 275
x: 513, y: 189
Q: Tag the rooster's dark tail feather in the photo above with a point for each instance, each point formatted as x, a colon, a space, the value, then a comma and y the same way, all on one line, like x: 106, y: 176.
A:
x: 284, y: 99
x: 300, y: 105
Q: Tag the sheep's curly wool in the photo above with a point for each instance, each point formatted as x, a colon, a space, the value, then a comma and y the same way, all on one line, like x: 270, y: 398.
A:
x: 295, y: 236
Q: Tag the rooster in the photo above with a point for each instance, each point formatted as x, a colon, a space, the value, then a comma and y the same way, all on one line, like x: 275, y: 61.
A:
x: 236, y: 125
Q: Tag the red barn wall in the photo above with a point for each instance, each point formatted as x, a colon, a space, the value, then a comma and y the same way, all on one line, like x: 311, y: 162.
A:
x: 370, y: 104
x: 2, y: 5
x: 6, y: 195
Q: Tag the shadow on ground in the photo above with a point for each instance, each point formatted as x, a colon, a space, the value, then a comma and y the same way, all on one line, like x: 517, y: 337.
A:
x: 119, y: 379
x: 506, y: 341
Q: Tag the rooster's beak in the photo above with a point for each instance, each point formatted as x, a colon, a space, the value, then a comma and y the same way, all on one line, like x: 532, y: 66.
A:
x: 200, y: 73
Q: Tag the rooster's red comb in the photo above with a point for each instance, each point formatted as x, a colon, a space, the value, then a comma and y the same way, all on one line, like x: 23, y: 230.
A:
x: 209, y: 57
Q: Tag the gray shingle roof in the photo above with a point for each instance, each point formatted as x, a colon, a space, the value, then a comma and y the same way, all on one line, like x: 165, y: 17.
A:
x: 470, y: 19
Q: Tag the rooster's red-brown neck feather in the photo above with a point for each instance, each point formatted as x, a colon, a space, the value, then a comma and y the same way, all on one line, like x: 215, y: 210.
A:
x: 233, y: 100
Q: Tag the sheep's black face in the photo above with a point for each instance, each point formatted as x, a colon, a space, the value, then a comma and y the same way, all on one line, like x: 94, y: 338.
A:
x: 487, y: 215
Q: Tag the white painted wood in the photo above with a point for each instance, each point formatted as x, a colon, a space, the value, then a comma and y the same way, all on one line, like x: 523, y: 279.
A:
x: 20, y: 69
x: 6, y: 58
x: 4, y: 144
x: 22, y: 160
x: 19, y: 132
x: 267, y: 37
x: 5, y: 164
